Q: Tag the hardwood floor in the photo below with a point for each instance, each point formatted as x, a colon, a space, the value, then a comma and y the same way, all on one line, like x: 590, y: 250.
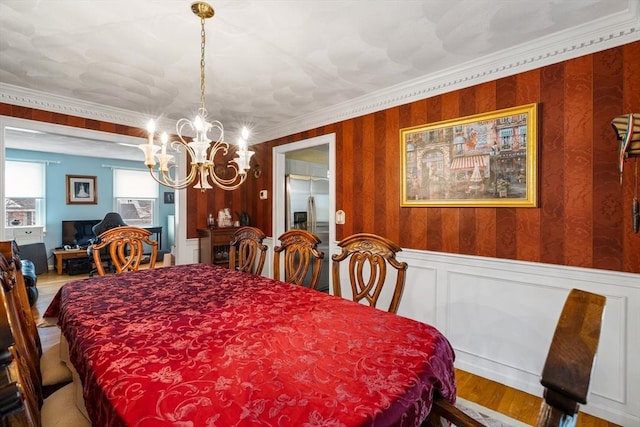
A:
x: 511, y: 402
x: 498, y: 397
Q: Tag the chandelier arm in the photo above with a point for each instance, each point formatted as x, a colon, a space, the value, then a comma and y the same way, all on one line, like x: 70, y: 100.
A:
x: 180, y: 183
x: 228, y: 184
x: 164, y: 182
x: 221, y: 146
x: 167, y: 180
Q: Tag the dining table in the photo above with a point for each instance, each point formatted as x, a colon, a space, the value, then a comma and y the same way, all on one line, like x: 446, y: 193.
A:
x: 202, y: 345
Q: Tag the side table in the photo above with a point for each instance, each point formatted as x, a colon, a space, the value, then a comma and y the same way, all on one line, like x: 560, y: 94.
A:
x: 61, y: 254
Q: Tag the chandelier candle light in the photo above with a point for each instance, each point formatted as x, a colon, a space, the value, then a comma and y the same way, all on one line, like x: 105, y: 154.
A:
x: 203, y: 148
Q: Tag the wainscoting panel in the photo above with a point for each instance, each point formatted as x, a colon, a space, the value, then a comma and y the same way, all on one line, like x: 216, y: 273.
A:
x: 500, y: 316
x: 477, y: 309
x: 419, y: 298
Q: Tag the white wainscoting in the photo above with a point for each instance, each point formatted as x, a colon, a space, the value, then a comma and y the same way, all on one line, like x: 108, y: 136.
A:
x: 500, y: 316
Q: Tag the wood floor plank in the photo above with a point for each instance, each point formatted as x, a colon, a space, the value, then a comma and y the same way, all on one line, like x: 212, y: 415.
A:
x: 512, y: 403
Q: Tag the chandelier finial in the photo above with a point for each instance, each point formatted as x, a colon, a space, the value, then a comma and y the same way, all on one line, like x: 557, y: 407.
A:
x: 202, y: 9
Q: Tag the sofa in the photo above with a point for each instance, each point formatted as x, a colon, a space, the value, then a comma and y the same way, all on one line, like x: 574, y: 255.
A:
x: 30, y: 280
x: 29, y: 273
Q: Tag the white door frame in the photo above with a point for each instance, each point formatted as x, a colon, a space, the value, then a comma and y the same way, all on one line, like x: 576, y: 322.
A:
x: 279, y: 171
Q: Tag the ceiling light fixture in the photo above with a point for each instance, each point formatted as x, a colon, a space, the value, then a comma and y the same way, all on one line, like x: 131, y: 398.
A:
x: 203, y: 149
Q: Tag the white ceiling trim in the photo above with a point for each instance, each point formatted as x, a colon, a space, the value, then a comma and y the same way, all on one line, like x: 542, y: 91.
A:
x: 549, y: 50
x: 613, y: 31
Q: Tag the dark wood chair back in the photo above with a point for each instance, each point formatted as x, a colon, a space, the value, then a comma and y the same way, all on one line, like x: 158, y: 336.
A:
x: 567, y: 371
x: 19, y: 407
x: 369, y: 256
x: 22, y: 385
x: 247, y: 253
x: 299, y: 249
x: 126, y: 246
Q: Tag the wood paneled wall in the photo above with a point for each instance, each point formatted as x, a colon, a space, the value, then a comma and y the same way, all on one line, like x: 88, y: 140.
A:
x: 583, y: 216
x: 67, y: 120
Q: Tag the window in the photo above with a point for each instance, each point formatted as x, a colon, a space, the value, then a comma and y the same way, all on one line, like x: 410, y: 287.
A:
x: 136, y: 197
x: 24, y: 201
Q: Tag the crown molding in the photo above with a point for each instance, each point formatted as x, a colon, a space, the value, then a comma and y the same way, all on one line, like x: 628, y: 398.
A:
x: 23, y: 97
x: 614, y: 30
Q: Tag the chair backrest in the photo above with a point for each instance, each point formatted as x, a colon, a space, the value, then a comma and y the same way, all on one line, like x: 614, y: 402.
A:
x: 20, y: 393
x: 16, y: 298
x: 247, y: 253
x: 110, y: 220
x: 23, y: 367
x: 567, y: 371
x: 28, y: 320
x: 126, y: 247
x: 369, y: 255
x: 301, y: 255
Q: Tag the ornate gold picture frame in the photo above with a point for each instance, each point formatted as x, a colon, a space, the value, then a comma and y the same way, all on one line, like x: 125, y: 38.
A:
x: 476, y: 161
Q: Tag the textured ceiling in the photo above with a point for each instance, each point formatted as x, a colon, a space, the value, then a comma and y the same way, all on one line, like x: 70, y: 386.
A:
x: 269, y: 62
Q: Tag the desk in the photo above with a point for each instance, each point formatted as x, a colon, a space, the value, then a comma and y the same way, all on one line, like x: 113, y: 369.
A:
x: 158, y: 232
x: 60, y: 255
x: 203, y: 345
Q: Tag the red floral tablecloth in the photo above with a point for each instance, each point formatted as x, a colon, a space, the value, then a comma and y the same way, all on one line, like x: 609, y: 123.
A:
x: 200, y: 345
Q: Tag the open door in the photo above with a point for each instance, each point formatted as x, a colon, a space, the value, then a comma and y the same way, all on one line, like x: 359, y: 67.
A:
x: 313, y: 190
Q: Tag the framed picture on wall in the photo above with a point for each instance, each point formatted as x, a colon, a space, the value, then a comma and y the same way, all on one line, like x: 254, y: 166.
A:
x: 169, y: 197
x: 82, y: 190
x: 485, y: 160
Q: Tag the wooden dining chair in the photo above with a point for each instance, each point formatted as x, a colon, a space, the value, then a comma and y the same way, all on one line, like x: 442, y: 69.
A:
x: 110, y: 220
x: 126, y: 246
x: 368, y: 257
x: 51, y: 370
x: 20, y: 392
x: 21, y: 395
x: 246, y: 252
x: 567, y: 370
x: 21, y: 323
x: 299, y: 249
x: 20, y: 406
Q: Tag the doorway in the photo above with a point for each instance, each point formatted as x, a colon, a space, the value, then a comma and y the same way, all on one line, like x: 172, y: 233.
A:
x: 312, y: 162
x: 42, y: 140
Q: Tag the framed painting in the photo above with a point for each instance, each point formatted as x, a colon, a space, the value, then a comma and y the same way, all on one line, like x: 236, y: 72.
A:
x: 82, y: 190
x: 476, y: 161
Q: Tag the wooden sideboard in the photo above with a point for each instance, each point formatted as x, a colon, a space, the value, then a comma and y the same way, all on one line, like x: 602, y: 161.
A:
x: 214, y: 244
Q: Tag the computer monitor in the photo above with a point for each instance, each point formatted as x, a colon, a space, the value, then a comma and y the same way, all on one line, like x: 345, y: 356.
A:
x: 78, y: 232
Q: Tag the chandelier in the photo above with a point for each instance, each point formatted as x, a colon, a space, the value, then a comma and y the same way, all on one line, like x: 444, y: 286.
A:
x: 203, y: 148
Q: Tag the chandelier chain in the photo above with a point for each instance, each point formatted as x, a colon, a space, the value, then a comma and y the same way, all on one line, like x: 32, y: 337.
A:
x: 203, y: 38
